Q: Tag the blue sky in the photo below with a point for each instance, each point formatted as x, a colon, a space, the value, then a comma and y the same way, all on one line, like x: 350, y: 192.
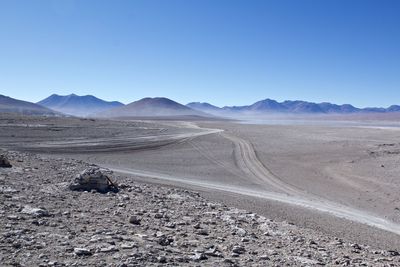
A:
x: 223, y: 52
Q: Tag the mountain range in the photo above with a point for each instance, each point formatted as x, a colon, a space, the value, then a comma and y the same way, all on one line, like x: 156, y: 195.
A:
x: 78, y: 105
x: 11, y: 105
x: 269, y: 106
x: 160, y: 106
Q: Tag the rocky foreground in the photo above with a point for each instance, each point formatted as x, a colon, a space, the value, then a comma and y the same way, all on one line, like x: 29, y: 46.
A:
x: 44, y: 223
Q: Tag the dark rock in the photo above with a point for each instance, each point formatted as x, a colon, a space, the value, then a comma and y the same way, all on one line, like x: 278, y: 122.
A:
x: 202, y: 232
x: 238, y: 249
x: 134, y: 220
x: 4, y: 162
x: 162, y: 259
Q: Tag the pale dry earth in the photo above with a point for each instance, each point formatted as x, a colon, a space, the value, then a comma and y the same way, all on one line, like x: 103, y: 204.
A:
x: 342, y: 181
x: 46, y: 224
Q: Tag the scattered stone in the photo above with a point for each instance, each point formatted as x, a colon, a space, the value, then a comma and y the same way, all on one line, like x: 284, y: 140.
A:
x: 174, y: 227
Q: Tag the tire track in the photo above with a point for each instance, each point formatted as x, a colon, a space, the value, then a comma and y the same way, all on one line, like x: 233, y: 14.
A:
x: 115, y: 144
x: 206, y: 153
x: 249, y: 163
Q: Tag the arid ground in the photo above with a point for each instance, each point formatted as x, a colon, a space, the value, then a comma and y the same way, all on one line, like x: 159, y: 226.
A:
x: 337, y: 179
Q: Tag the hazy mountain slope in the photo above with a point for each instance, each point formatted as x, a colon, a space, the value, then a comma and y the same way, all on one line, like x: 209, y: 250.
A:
x: 203, y: 106
x: 11, y: 105
x: 78, y: 105
x: 267, y: 105
x: 152, y: 107
x: 394, y: 108
x: 333, y: 108
x: 302, y: 107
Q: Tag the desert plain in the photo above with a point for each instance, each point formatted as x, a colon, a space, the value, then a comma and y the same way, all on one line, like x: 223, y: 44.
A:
x: 337, y: 179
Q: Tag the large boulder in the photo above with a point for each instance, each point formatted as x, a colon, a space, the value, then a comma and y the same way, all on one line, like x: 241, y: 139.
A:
x: 4, y: 162
x: 93, y: 179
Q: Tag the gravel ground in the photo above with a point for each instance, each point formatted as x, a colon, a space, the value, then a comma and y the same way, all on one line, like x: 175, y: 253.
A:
x: 46, y: 224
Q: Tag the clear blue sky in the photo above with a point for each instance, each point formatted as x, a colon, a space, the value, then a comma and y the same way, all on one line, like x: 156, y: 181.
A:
x: 223, y: 52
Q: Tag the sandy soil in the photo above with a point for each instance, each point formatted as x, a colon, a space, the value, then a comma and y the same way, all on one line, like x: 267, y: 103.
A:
x: 340, y: 180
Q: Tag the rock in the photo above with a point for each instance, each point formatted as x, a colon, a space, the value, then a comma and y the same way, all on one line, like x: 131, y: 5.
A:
x: 229, y: 261
x: 213, y: 252
x: 241, y: 232
x: 4, y: 162
x: 82, y: 252
x: 198, y: 257
x: 158, y: 215
x: 393, y: 253
x: 109, y: 249
x: 170, y: 225
x: 238, y: 249
x: 37, y: 212
x: 128, y: 245
x: 356, y: 246
x: 263, y: 258
x: 197, y: 226
x: 202, y: 232
x: 164, y: 241
x: 93, y: 179
x: 134, y: 220
x: 162, y: 259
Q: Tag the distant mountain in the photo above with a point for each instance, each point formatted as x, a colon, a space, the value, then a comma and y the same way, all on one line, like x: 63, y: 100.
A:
x: 393, y: 108
x: 153, y: 107
x: 302, y: 107
x: 78, y: 105
x: 269, y: 106
x: 266, y: 105
x: 11, y: 105
x: 339, y: 109
x: 205, y: 107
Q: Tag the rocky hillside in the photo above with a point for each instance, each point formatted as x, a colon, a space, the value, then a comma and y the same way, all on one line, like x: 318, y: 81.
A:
x: 12, y: 105
x: 44, y: 223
